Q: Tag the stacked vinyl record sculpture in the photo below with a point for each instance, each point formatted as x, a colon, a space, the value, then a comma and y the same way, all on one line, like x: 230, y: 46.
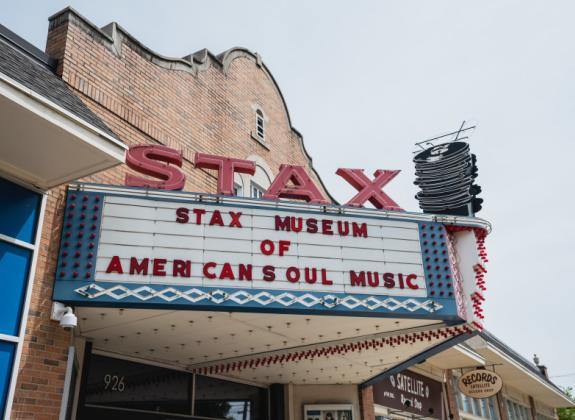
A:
x: 445, y: 174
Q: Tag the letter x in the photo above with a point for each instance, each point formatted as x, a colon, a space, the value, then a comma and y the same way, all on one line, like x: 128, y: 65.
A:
x: 370, y: 190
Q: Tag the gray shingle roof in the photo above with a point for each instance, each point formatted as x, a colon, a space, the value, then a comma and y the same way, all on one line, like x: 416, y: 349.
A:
x: 490, y: 338
x: 29, y: 66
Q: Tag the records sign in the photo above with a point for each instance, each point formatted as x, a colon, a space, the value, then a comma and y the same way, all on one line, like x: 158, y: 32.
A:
x: 480, y: 383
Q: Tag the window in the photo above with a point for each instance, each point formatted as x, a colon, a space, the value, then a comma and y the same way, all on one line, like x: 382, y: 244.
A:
x: 256, y: 191
x: 117, y: 383
x: 260, y: 133
x: 543, y: 417
x: 517, y: 411
x: 238, y: 190
x: 121, y: 389
x: 19, y: 214
x: 221, y: 399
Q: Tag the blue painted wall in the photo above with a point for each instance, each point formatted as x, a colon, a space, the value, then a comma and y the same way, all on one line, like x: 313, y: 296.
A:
x: 14, y: 266
x: 7, y: 351
x: 19, y: 210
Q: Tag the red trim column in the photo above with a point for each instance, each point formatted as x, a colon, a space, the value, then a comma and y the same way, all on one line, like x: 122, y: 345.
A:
x: 453, y: 410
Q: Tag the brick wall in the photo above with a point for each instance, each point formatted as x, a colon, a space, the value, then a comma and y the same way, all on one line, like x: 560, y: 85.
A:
x: 207, y: 105
x: 191, y: 109
x: 366, y: 403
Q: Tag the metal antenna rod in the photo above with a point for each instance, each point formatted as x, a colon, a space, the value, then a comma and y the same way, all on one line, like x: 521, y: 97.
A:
x: 459, y: 131
x: 429, y: 142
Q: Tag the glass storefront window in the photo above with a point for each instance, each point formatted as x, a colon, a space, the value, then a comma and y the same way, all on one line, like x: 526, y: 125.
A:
x: 122, y: 384
x: 485, y: 407
x: 517, y: 411
x: 477, y: 407
x: 458, y: 398
x: 467, y: 404
x: 220, y: 399
x: 492, y: 408
x: 510, y: 412
x: 130, y: 390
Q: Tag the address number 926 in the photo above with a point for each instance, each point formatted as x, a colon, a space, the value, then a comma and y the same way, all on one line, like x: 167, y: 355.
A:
x: 114, y: 383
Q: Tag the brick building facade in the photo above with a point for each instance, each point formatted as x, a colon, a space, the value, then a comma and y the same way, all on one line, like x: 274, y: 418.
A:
x: 202, y: 102
x: 227, y: 105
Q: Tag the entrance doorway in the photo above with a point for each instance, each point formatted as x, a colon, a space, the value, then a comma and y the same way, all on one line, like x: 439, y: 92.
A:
x: 114, y: 388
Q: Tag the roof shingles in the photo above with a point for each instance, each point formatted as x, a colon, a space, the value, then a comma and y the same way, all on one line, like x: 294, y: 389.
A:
x: 19, y: 64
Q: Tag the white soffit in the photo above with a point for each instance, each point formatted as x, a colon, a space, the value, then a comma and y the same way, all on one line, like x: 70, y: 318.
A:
x: 43, y: 145
x: 195, y: 339
x: 456, y: 357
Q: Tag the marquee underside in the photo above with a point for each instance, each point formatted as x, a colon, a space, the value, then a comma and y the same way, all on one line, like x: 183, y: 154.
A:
x: 262, y: 348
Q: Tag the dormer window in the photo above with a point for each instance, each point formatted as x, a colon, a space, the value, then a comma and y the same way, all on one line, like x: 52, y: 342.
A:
x: 260, y: 123
x: 256, y: 190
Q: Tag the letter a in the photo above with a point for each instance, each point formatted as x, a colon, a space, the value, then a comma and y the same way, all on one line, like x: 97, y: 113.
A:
x: 303, y: 187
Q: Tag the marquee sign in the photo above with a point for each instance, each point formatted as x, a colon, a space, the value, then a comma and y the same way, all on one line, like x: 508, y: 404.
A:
x: 134, y: 247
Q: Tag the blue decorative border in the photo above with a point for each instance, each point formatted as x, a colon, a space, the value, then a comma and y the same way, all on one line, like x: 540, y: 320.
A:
x: 80, y: 236
x: 115, y: 294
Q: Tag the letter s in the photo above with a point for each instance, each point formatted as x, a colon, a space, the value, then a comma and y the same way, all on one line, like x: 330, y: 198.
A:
x: 388, y: 280
x: 182, y: 215
x: 149, y: 160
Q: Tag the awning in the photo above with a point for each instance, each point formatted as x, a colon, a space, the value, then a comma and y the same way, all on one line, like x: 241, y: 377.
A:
x: 456, y: 357
x: 517, y: 373
x: 262, y: 348
x: 44, y: 145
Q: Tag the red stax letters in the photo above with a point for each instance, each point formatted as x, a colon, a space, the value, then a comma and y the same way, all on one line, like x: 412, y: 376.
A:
x: 226, y: 168
x: 370, y: 190
x: 149, y: 160
x: 292, y: 181
x: 303, y: 187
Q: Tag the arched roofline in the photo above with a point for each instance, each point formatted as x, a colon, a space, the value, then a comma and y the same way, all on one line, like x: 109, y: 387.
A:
x: 113, y: 36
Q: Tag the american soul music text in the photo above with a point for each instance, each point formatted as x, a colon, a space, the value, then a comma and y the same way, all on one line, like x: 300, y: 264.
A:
x: 161, y: 267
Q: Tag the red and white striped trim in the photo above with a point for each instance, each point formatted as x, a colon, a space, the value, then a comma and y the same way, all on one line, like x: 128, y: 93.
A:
x: 332, y: 350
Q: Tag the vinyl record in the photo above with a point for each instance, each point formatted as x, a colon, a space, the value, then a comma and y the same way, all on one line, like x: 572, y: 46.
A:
x: 445, y: 176
x: 442, y: 153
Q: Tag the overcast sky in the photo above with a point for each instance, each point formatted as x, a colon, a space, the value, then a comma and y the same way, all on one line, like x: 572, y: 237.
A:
x: 365, y: 80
